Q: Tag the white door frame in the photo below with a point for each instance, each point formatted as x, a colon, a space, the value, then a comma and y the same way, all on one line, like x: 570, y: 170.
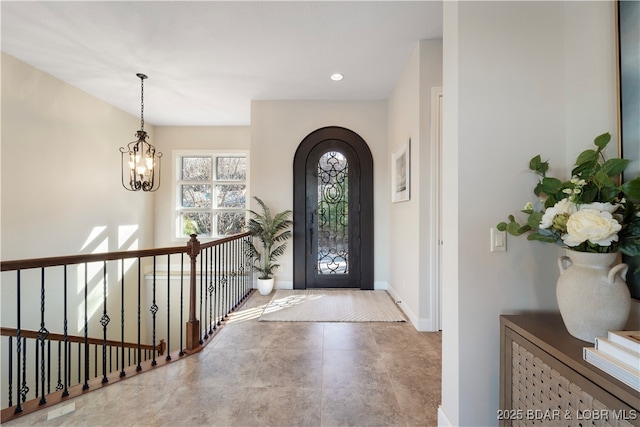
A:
x: 435, y: 203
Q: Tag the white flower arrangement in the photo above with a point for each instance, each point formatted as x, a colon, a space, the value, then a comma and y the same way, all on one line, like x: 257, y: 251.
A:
x: 591, y: 212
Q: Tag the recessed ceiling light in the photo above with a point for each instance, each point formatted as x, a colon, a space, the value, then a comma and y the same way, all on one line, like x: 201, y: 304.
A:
x: 337, y: 77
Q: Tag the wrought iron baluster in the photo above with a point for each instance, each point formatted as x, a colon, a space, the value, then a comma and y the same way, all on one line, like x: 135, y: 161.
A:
x: 204, y: 272
x: 218, y: 285
x: 59, y: 385
x: 104, y: 321
x: 234, y: 277
x: 168, y: 307
x: 48, y: 369
x: 201, y: 292
x: 35, y: 368
x: 225, y: 281
x: 86, y: 328
x: 24, y: 389
x: 10, y: 361
x: 122, y: 270
x: 21, y: 394
x: 154, y: 310
x: 214, y: 288
x: 223, y: 285
x: 67, y: 380
x: 65, y: 328
x: 181, y: 305
x: 243, y: 266
x: 139, y: 367
x: 79, y: 363
x: 211, y: 321
x: 43, y: 333
x: 248, y: 263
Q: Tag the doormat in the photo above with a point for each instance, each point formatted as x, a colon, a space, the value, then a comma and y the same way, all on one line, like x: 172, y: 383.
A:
x: 329, y: 305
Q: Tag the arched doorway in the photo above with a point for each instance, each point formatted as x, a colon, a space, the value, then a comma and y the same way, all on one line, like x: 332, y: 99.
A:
x: 333, y: 211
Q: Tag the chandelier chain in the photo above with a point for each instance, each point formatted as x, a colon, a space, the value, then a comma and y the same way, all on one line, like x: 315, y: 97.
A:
x: 141, y: 103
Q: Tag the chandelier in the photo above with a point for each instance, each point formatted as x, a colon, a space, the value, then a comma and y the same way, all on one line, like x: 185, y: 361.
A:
x: 140, y: 161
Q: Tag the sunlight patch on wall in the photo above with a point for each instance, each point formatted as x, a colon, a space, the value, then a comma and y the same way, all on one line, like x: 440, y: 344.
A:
x: 127, y: 241
x: 93, y: 236
x: 127, y: 233
x: 95, y: 282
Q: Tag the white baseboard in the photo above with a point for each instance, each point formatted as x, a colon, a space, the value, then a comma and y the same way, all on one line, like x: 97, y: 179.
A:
x: 424, y: 324
x: 288, y: 284
x: 279, y: 284
x: 443, y: 420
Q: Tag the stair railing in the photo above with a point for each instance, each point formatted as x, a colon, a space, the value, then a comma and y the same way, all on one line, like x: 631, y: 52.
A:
x: 67, y: 304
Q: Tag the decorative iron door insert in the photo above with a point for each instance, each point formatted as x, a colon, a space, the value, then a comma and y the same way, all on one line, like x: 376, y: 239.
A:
x: 332, y: 215
x: 333, y: 225
x: 333, y: 211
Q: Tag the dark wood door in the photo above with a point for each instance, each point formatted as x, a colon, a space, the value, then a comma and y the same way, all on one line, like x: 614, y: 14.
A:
x: 333, y: 211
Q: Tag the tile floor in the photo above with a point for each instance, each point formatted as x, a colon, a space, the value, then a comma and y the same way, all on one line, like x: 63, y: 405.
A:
x: 278, y: 374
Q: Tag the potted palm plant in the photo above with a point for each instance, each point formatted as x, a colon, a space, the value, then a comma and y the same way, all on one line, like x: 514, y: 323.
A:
x: 272, y: 232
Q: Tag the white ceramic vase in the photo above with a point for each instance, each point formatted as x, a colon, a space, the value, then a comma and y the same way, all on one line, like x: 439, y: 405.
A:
x: 265, y: 286
x: 593, y: 297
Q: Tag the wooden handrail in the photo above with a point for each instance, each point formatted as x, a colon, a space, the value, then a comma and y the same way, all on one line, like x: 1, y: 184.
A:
x: 11, y: 332
x: 224, y: 240
x: 108, y: 256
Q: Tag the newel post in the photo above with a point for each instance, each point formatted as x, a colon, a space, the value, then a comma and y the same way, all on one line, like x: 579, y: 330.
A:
x: 193, y: 325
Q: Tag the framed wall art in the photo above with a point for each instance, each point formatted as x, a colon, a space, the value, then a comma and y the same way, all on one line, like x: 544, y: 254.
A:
x: 628, y: 31
x: 401, y: 173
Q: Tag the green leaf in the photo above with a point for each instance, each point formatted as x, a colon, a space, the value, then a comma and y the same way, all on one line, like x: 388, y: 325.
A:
x: 589, y: 193
x: 603, y: 180
x: 609, y: 194
x: 587, y: 157
x: 630, y: 247
x: 552, y: 200
x: 632, y: 188
x: 515, y: 229
x: 538, y: 189
x: 601, y: 141
x: 614, y: 167
x: 534, y: 219
x: 585, y: 169
x: 502, y: 226
x: 537, y: 165
x: 551, y: 185
x: 539, y: 237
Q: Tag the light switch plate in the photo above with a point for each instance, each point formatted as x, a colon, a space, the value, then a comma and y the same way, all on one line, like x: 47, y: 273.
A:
x: 498, y: 240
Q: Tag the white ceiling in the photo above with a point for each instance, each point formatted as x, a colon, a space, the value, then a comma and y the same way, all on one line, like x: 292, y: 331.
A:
x: 206, y: 60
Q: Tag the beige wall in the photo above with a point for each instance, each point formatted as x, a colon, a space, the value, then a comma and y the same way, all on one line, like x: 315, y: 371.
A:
x: 170, y: 139
x: 404, y: 223
x: 410, y: 222
x: 62, y: 195
x: 278, y: 127
x: 61, y: 165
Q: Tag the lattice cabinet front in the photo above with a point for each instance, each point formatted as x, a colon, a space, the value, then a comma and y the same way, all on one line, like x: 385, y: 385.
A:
x: 545, y: 382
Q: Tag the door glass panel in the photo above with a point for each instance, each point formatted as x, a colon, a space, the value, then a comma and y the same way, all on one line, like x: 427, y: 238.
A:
x: 333, y: 214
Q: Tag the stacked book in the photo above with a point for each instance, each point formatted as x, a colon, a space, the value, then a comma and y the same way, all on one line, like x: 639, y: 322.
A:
x: 618, y: 355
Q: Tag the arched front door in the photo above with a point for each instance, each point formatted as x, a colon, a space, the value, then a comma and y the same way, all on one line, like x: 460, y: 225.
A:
x: 333, y: 211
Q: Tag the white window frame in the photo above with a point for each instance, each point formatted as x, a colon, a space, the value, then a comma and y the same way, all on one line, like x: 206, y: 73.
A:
x: 176, y: 232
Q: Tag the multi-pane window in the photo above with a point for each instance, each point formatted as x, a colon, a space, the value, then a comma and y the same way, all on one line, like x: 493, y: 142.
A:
x: 211, y: 194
